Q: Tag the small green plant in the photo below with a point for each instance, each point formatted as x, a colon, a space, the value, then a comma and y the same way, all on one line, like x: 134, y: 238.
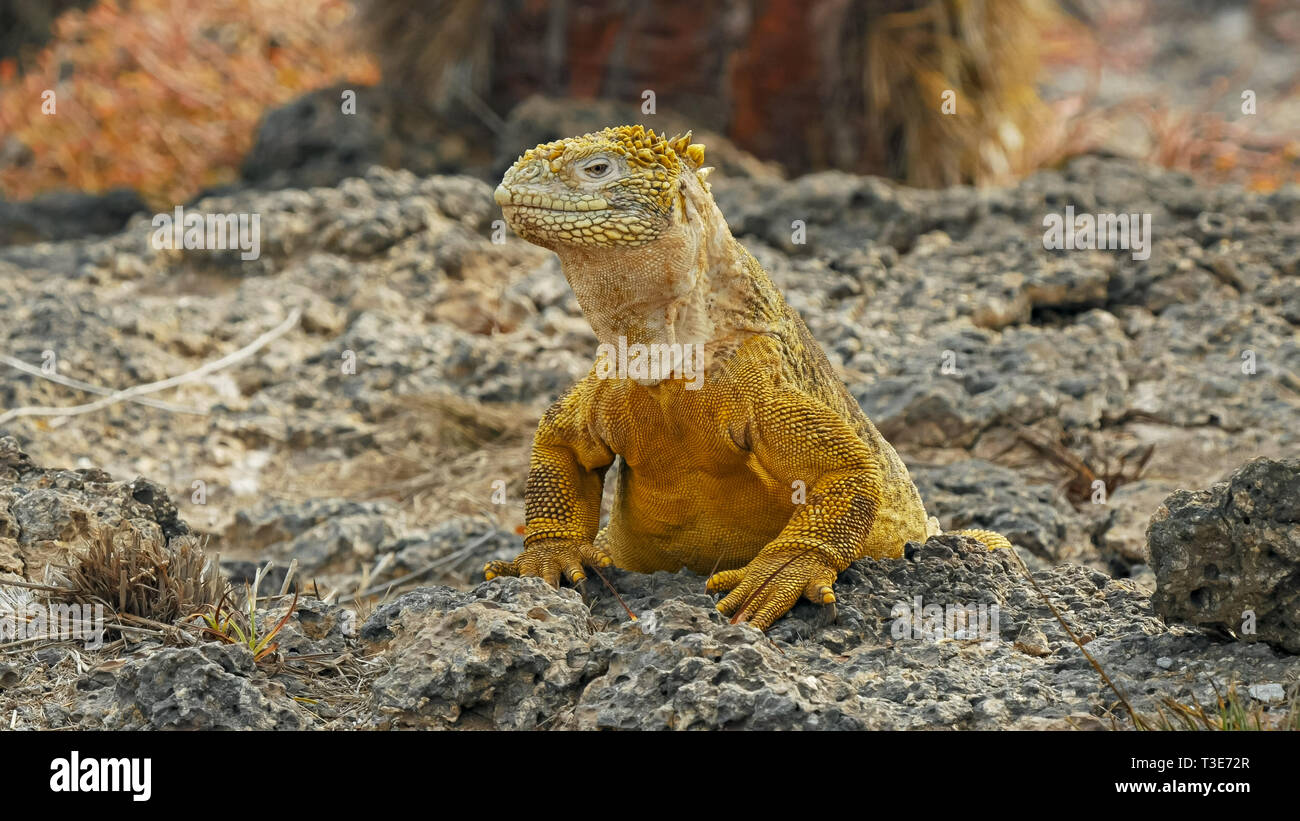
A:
x: 232, y: 626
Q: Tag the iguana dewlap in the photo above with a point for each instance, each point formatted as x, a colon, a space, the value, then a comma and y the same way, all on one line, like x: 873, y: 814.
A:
x: 768, y: 477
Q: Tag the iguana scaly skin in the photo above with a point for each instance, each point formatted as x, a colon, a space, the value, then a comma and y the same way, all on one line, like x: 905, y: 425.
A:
x: 709, y: 479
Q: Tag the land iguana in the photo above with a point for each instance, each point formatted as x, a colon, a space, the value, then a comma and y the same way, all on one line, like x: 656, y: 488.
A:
x: 709, y: 479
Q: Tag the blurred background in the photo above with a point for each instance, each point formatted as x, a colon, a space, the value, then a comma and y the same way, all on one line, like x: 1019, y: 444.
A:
x: 398, y: 347
x: 161, y: 101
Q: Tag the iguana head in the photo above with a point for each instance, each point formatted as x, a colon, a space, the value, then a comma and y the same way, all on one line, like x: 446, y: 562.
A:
x: 619, y: 187
x: 641, y: 241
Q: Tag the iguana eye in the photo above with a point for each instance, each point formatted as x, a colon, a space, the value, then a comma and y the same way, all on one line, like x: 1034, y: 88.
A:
x: 597, y: 169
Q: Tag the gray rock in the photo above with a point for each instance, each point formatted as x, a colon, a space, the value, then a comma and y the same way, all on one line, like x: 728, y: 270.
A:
x: 44, y: 512
x: 52, y: 656
x: 1129, y: 508
x: 66, y: 215
x: 315, y: 628
x: 515, y: 653
x: 1230, y: 555
x: 504, y: 656
x: 340, y: 542
x: 278, y: 522
x: 311, y: 142
x: 209, y: 687
x: 1144, y: 577
x: 422, y: 548
x: 1271, y: 693
x: 324, y: 535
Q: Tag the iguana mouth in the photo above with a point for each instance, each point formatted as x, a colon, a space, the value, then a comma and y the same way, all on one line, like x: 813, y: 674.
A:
x: 542, y: 202
x: 557, y: 210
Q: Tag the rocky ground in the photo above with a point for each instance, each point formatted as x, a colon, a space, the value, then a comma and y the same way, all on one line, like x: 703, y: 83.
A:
x: 517, y: 654
x: 380, y: 438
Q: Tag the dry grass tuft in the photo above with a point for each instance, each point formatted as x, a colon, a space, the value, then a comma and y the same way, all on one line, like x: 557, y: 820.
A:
x: 139, y: 574
x: 1229, y: 714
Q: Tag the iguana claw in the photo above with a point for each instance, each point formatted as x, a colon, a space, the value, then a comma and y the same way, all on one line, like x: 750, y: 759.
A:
x: 766, y: 588
x: 551, y: 559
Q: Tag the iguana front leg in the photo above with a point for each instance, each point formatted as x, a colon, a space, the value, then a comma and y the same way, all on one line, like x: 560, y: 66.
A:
x: 796, y: 438
x: 566, y: 475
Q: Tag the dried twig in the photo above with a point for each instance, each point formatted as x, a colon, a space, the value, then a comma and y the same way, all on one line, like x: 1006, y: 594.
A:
x: 1138, y: 722
x: 153, y: 387
x: 415, y: 574
x: 69, y: 382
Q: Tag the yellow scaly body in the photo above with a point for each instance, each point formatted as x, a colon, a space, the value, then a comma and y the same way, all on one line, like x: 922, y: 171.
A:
x: 768, y: 477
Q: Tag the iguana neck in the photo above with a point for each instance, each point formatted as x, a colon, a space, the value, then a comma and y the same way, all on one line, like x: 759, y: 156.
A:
x: 694, y: 284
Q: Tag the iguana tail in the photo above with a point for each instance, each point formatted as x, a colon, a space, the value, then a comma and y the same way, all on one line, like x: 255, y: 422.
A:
x: 988, y: 538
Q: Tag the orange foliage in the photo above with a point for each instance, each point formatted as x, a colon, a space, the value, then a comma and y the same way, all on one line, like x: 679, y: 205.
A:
x: 165, y: 96
x: 1185, y: 135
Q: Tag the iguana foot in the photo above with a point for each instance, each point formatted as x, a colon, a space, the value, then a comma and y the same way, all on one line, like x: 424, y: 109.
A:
x: 766, y: 588
x: 549, y: 558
